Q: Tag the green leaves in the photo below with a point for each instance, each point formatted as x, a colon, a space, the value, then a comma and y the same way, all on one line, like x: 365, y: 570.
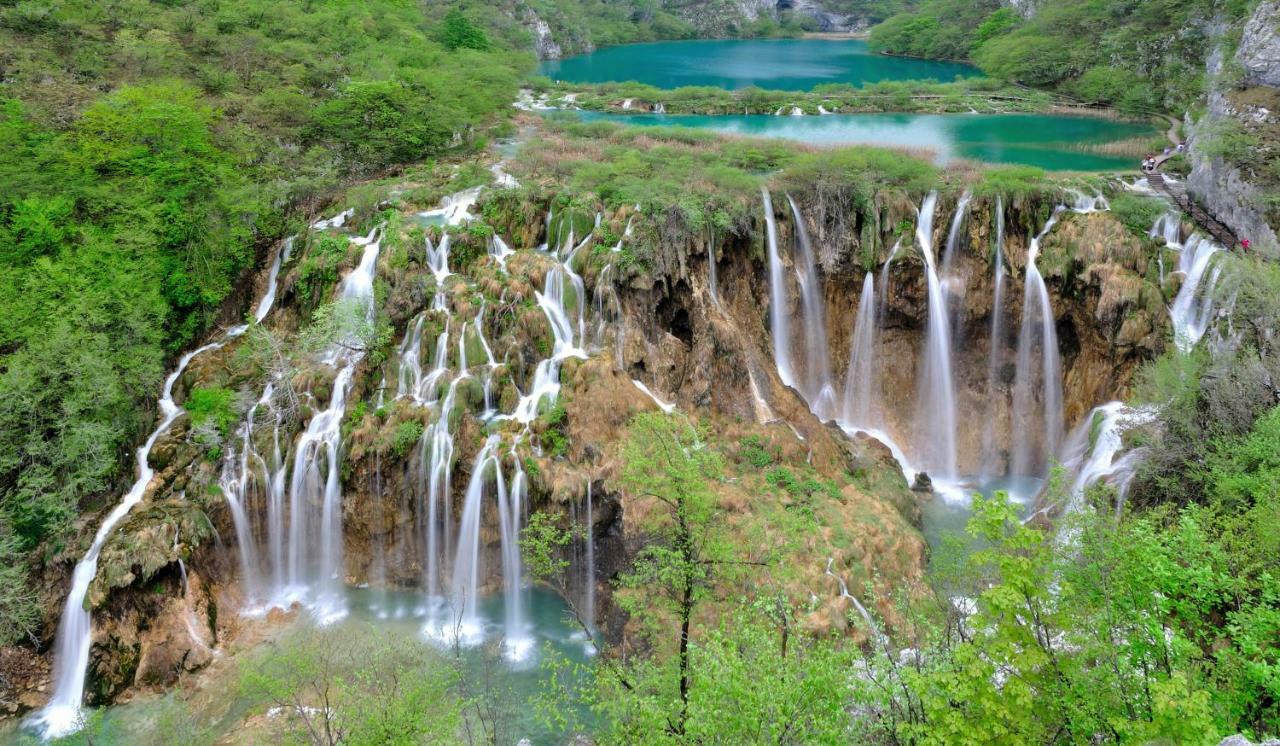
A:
x: 458, y: 32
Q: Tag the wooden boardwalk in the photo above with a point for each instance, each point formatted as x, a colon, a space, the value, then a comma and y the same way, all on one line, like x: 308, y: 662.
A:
x: 1207, y: 223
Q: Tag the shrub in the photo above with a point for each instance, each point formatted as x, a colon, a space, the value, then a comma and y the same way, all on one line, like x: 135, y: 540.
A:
x: 212, y: 406
x: 405, y: 437
x: 1137, y: 213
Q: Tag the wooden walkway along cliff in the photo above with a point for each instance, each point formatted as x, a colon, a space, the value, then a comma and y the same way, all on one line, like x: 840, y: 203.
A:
x: 1178, y: 193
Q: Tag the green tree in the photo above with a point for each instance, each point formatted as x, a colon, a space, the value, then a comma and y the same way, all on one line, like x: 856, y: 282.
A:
x: 459, y: 32
x: 668, y: 464
x: 355, y: 686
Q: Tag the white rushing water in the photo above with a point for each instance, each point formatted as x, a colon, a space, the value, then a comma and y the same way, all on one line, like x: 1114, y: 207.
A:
x: 936, y: 417
x: 1092, y: 455
x: 299, y: 556
x: 1192, y: 309
x: 63, y: 715
x: 1168, y: 227
x: 1037, y: 373
x: 589, y: 580
x: 862, y: 380
x: 779, y: 309
x: 818, y: 387
x: 990, y: 456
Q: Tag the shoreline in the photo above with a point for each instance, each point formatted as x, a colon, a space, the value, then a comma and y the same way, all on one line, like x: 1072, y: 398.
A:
x: 835, y: 35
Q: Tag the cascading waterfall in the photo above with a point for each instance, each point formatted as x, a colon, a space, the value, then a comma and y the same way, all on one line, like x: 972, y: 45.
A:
x: 63, y: 714
x: 862, y: 381
x: 989, y: 451
x: 936, y: 423
x: 1168, y: 227
x: 883, y: 312
x: 819, y: 390
x: 1091, y: 450
x: 295, y: 551
x: 516, y: 642
x: 1038, y: 329
x: 953, y: 286
x: 779, y: 321
x: 953, y: 236
x: 315, y: 557
x: 566, y: 334
x: 589, y: 581
x: 269, y: 297
x: 463, y: 623
x: 1192, y: 308
x: 712, y: 284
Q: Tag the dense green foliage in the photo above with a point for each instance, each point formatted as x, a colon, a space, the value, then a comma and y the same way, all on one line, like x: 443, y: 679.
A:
x: 1140, y: 56
x: 150, y: 153
x: 355, y: 686
x: 1163, y: 626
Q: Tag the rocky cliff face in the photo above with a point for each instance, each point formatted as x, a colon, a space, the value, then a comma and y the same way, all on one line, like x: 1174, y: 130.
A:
x: 1230, y: 194
x: 1260, y: 46
x: 555, y: 36
x: 1104, y: 290
x: 170, y: 587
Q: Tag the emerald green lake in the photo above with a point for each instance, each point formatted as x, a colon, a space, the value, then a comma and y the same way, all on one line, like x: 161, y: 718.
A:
x: 780, y: 64
x: 1051, y: 142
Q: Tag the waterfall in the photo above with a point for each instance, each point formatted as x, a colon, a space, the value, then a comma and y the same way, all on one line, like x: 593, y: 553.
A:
x: 238, y: 477
x: 409, y: 376
x: 936, y: 423
x: 500, y: 251
x: 819, y: 390
x: 63, y: 715
x: 666, y: 407
x: 779, y: 322
x: 589, y: 582
x: 1192, y: 308
x: 862, y: 382
x: 989, y: 450
x: 463, y: 624
x: 857, y: 605
x: 269, y: 298
x: 438, y: 263
x: 1037, y: 329
x: 517, y: 643
x: 566, y: 334
x: 1084, y: 204
x: 953, y: 235
x: 883, y: 311
x: 434, y: 488
x: 1168, y: 227
x: 712, y: 284
x: 1090, y: 455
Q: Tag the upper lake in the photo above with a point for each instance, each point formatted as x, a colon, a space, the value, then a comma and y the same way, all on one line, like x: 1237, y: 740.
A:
x: 779, y: 64
x: 1050, y: 141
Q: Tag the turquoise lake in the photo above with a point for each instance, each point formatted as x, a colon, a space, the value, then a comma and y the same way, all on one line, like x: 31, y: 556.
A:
x: 1051, y: 142
x: 780, y: 64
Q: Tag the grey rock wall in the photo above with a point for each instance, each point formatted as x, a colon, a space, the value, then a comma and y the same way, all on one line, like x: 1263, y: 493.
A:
x: 1259, y: 52
x: 1221, y: 188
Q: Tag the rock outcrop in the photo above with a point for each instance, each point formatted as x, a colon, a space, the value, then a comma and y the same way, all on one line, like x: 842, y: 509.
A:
x: 1259, y: 51
x: 1228, y: 193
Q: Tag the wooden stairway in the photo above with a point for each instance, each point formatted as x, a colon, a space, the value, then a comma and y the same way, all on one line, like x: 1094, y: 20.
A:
x: 1178, y: 193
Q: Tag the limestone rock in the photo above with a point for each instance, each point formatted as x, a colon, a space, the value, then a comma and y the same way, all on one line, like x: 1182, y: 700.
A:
x: 1260, y: 46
